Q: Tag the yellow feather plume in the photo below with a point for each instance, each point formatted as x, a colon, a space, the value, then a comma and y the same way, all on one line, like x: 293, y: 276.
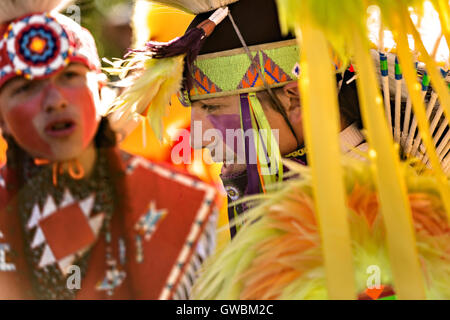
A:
x: 148, y: 89
x: 280, y: 254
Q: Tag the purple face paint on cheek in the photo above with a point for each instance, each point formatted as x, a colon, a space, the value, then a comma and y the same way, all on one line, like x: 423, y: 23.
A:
x: 226, y: 121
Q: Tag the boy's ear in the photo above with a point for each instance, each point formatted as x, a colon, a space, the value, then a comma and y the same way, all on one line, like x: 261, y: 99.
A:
x: 292, y: 98
x: 3, y: 125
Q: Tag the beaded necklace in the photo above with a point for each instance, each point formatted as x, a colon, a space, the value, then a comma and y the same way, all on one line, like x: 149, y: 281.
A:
x: 50, y: 282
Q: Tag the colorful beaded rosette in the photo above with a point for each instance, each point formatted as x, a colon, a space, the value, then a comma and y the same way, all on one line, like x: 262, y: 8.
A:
x: 39, y: 45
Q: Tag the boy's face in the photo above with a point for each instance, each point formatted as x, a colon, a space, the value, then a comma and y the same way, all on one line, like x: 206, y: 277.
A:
x: 54, y: 118
x: 223, y: 114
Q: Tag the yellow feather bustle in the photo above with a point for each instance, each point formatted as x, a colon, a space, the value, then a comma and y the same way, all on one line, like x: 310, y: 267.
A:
x: 344, y: 26
x: 280, y: 254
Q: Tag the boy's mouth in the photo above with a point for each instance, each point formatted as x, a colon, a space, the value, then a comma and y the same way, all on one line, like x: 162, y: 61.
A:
x: 60, y: 128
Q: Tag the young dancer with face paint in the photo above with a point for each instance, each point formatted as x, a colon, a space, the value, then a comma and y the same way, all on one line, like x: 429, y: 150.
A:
x: 223, y: 113
x: 226, y: 90
x: 240, y: 73
x: 78, y: 218
x: 233, y: 80
x: 53, y: 118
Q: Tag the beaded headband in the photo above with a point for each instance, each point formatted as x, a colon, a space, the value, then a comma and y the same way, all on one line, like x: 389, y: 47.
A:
x: 39, y: 45
x: 231, y: 72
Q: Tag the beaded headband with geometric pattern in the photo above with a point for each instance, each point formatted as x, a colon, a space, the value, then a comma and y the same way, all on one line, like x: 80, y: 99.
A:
x: 231, y: 72
x: 39, y: 45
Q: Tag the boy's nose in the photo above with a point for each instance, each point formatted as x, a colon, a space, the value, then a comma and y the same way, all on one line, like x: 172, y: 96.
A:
x: 53, y: 99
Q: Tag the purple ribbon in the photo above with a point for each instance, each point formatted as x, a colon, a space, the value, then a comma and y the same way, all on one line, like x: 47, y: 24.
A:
x: 253, y: 186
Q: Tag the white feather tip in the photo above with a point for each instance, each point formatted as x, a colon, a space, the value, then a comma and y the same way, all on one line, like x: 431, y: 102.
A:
x: 219, y: 15
x: 196, y: 6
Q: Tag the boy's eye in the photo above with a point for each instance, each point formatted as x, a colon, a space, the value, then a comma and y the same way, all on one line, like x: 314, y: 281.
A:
x: 24, y: 87
x: 210, y: 108
x: 71, y: 74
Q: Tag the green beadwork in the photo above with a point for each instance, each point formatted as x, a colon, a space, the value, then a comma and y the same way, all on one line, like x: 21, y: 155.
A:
x: 227, y: 69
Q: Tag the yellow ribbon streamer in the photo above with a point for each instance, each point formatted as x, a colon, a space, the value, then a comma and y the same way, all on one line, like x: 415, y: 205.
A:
x: 394, y: 204
x: 321, y: 124
x: 267, y: 139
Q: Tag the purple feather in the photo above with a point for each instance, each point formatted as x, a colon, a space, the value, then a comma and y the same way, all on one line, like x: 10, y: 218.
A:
x: 189, y: 44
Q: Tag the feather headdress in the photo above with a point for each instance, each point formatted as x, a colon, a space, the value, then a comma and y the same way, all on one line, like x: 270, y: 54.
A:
x: 398, y: 103
x: 12, y: 9
x: 196, y: 6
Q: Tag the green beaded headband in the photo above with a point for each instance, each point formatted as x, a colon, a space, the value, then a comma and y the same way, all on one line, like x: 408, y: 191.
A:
x: 231, y: 72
